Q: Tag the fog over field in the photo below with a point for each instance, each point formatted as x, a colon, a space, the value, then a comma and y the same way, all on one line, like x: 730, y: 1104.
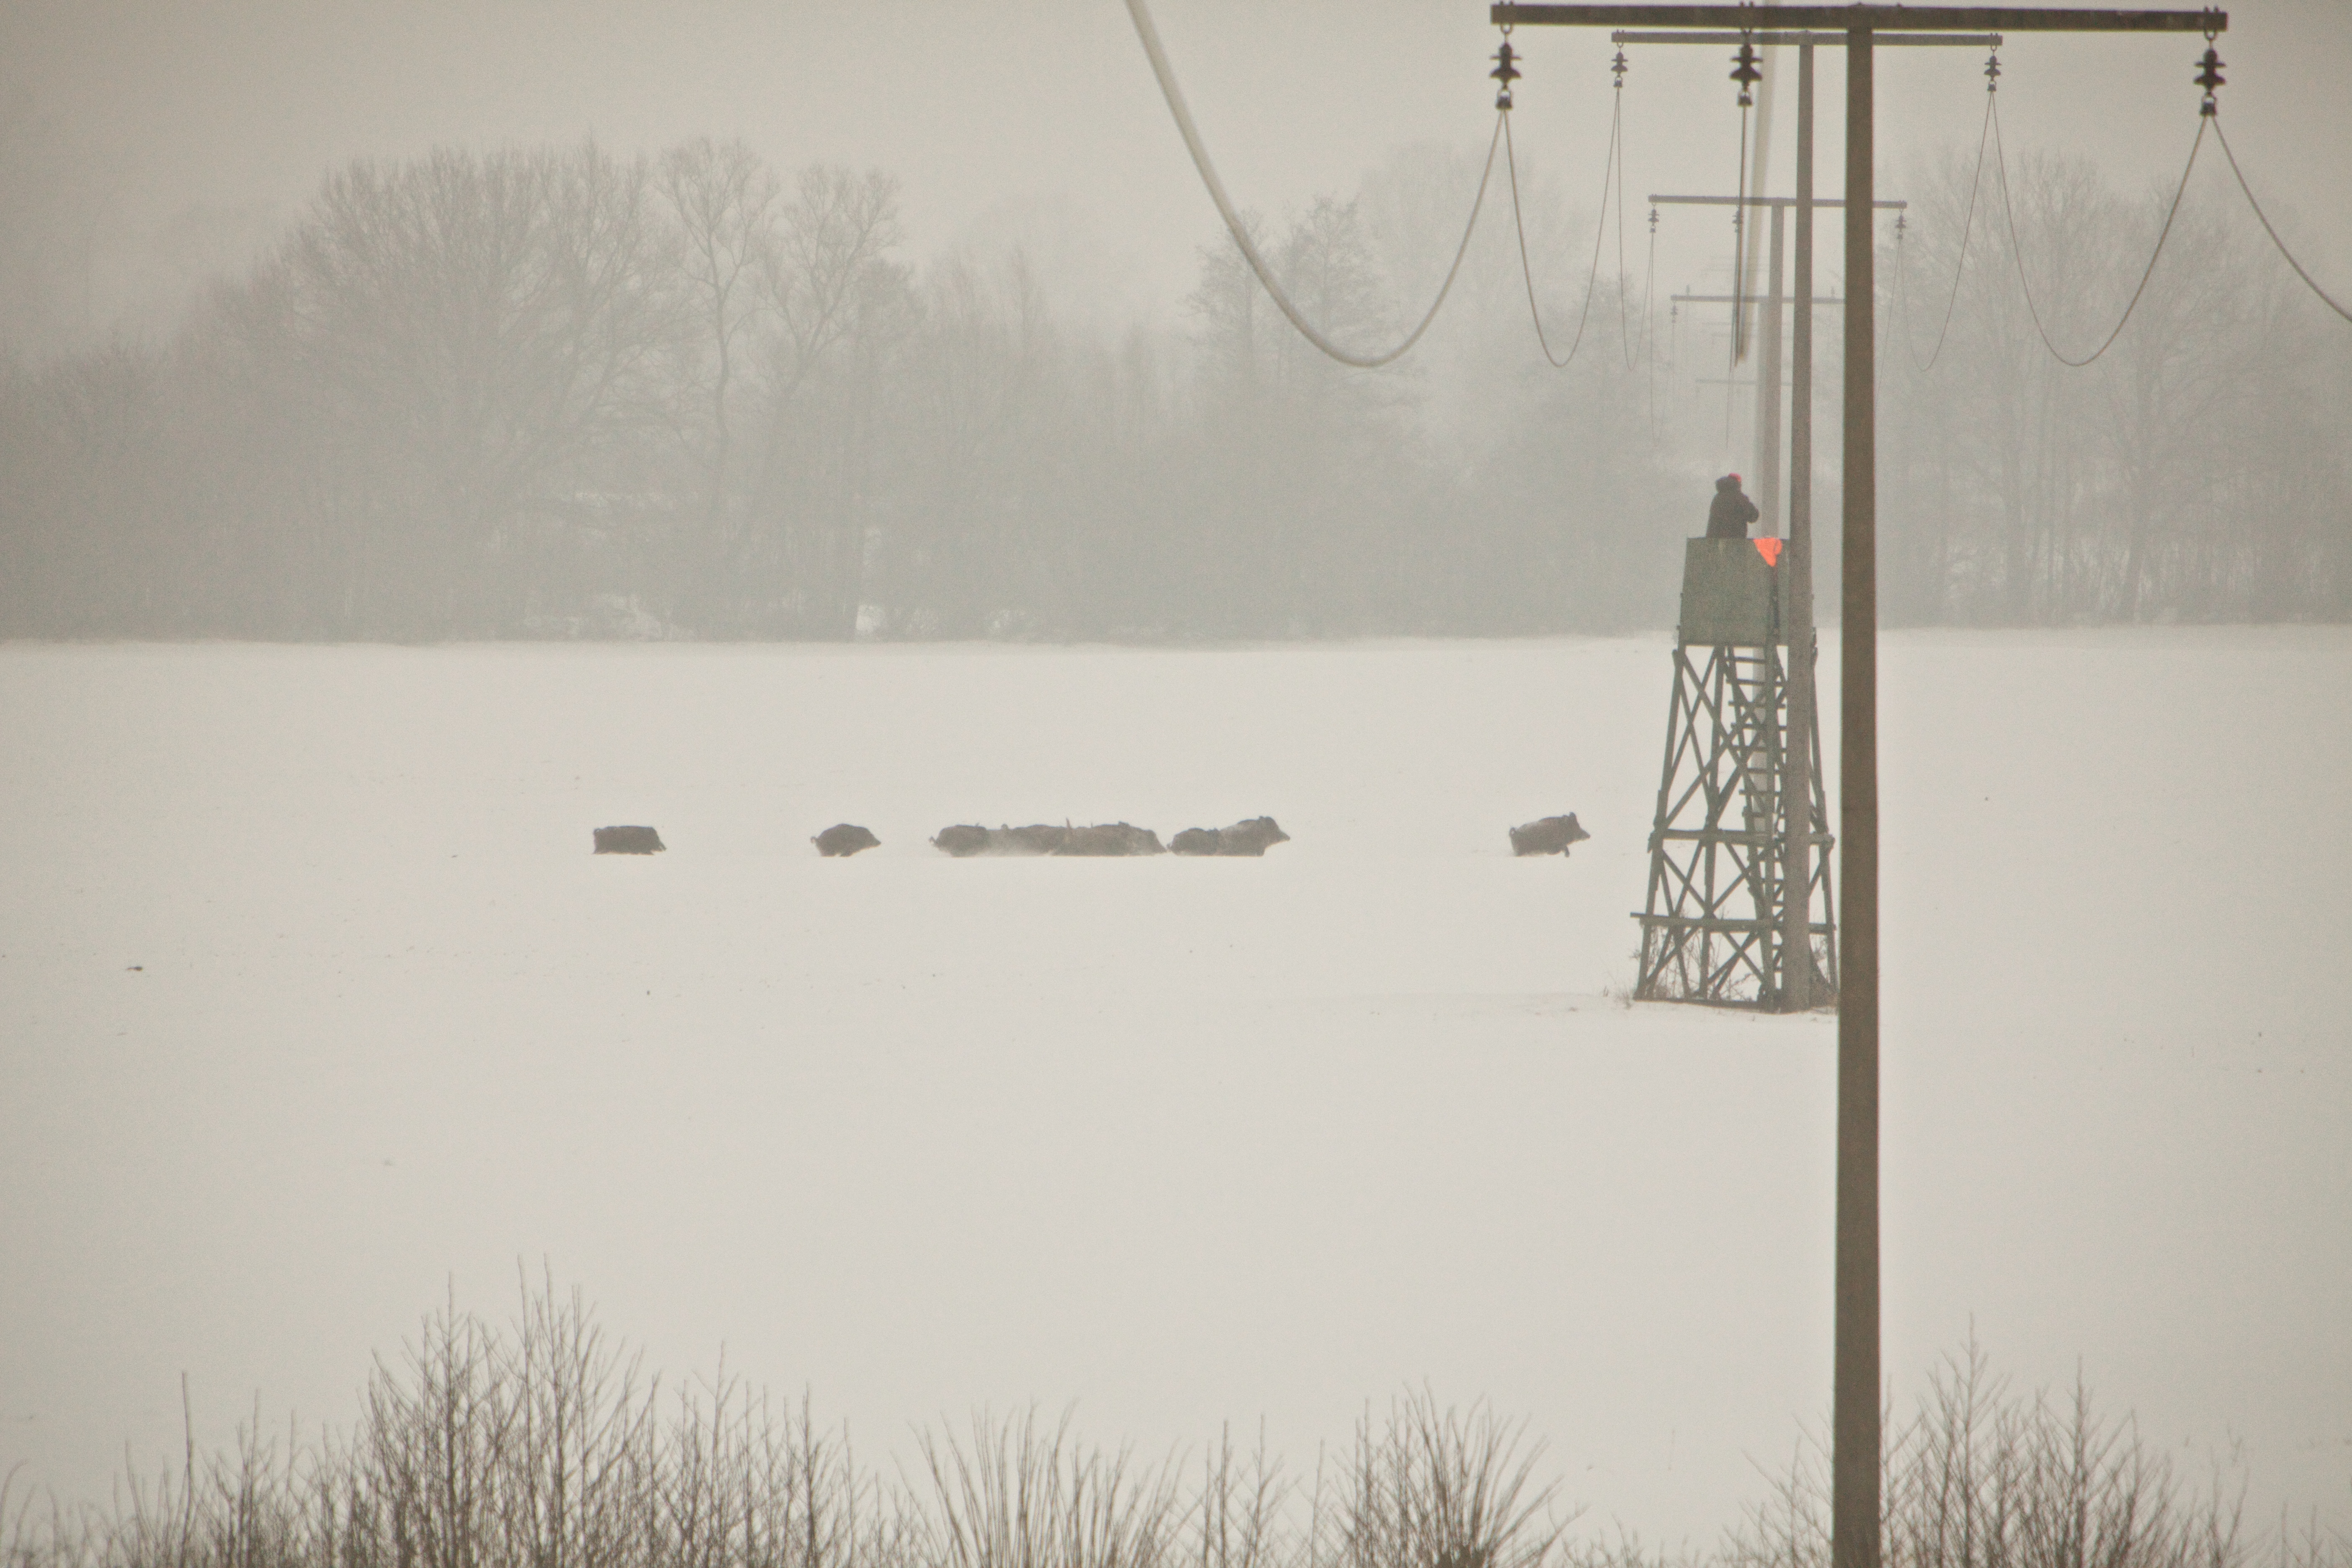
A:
x: 430, y: 432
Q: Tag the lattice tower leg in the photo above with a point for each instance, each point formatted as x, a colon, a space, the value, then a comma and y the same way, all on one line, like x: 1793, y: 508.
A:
x: 1712, y: 921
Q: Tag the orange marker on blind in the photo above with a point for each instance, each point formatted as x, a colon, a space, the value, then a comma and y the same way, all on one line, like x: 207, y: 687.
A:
x: 1769, y: 549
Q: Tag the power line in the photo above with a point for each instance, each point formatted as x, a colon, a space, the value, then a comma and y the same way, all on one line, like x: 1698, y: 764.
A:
x: 1617, y: 143
x: 1740, y: 226
x: 1968, y: 226
x: 1137, y: 11
x: 2019, y: 257
x: 2309, y: 282
x: 1593, y: 279
x: 1757, y: 162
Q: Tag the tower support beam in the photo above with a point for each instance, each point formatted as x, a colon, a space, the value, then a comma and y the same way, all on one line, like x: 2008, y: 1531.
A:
x: 1796, y: 936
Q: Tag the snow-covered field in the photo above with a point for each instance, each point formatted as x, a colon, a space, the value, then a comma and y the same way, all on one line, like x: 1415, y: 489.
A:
x: 315, y: 1006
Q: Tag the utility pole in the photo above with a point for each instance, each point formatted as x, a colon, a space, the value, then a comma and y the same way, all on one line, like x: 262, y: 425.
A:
x: 1855, y: 1438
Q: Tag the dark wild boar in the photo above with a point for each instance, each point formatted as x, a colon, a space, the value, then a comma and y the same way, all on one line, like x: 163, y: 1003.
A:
x: 1253, y: 838
x: 1550, y: 835
x: 964, y: 839
x: 843, y: 838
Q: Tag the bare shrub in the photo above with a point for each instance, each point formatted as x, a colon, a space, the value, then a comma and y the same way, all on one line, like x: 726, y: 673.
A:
x: 1982, y: 1478
x: 1241, y: 1516
x: 1440, y: 1490
x: 1019, y: 1496
x: 542, y: 1444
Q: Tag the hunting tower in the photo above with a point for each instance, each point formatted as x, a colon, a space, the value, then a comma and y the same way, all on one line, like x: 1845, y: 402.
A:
x: 1712, y: 927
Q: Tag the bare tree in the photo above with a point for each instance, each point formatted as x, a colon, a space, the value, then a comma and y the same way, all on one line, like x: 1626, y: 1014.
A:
x: 489, y: 326
x: 726, y: 202
x: 1983, y: 1479
x: 838, y: 305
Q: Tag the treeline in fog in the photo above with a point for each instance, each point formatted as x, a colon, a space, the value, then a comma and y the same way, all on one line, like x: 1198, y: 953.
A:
x: 2200, y: 470
x: 557, y: 393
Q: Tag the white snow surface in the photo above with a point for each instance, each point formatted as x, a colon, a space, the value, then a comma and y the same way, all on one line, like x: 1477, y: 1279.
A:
x: 1172, y: 1140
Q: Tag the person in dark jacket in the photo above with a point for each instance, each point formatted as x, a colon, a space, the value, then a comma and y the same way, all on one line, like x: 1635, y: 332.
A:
x: 1731, y: 512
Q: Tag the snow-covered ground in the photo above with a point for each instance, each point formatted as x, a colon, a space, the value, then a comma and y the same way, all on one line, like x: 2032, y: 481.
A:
x: 315, y: 1006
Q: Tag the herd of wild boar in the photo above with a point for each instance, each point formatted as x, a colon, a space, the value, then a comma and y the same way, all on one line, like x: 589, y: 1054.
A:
x: 1547, y: 836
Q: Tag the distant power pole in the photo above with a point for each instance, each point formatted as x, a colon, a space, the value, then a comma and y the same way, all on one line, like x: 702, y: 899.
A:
x: 1768, y: 408
x: 1855, y: 1452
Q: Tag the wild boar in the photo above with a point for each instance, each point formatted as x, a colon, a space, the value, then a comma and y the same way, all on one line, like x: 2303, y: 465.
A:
x: 628, y: 841
x: 1254, y: 838
x: 961, y: 840
x: 843, y: 838
x: 1547, y: 835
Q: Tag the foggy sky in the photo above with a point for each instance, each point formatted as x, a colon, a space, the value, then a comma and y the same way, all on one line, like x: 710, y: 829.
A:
x: 150, y: 145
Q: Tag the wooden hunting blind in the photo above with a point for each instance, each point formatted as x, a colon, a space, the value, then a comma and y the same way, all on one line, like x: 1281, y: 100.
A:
x: 1711, y: 930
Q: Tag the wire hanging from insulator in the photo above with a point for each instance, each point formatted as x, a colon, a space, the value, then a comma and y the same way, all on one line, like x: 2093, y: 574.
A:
x: 2208, y: 77
x: 1617, y: 147
x: 1139, y: 12
x: 1747, y: 73
x: 2017, y: 253
x: 1612, y: 173
x: 1968, y: 231
x: 2308, y: 280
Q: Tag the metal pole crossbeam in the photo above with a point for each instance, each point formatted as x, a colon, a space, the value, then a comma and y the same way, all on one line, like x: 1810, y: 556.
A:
x: 1852, y: 19
x: 1855, y: 1500
x: 1818, y: 202
x: 1783, y: 38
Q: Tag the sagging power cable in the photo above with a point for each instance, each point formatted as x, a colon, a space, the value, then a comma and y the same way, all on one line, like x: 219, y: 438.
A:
x: 2017, y: 255
x: 2208, y: 77
x: 1746, y: 71
x: 1967, y: 227
x: 1612, y: 173
x: 1617, y: 156
x: 2308, y: 281
x: 1141, y: 15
